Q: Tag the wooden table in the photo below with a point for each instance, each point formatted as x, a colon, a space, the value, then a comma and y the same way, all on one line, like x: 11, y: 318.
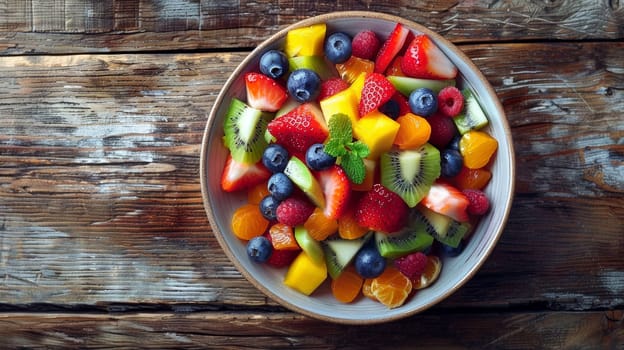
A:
x: 103, y: 237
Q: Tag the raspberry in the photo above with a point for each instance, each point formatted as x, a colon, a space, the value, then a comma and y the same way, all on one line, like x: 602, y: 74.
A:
x: 294, y: 211
x: 365, y: 44
x: 479, y: 203
x: 412, y: 265
x: 443, y: 130
x: 450, y: 101
x: 382, y: 210
x: 331, y: 87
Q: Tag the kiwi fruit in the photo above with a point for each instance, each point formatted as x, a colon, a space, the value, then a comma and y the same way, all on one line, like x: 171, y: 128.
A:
x: 409, y: 239
x: 410, y: 173
x: 309, y: 245
x: 339, y: 252
x: 443, y: 228
x: 244, y: 129
x: 473, y: 117
x: 405, y: 85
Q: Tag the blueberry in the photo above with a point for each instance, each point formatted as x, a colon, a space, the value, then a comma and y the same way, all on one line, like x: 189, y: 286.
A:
x: 280, y: 186
x: 451, y: 162
x: 259, y: 249
x: 317, y: 159
x: 423, y: 102
x: 268, y: 207
x: 391, y: 109
x: 453, y: 251
x: 454, y: 144
x: 275, y: 158
x: 304, y: 85
x: 274, y: 64
x: 369, y: 263
x: 338, y: 48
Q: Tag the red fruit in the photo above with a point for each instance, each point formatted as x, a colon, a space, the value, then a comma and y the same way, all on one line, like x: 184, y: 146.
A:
x: 365, y: 44
x: 377, y: 90
x: 443, y: 130
x: 281, y: 258
x: 337, y: 190
x: 299, y: 129
x: 450, y: 101
x: 264, y: 93
x: 412, y: 265
x: 391, y: 47
x: 294, y: 211
x: 403, y: 103
x: 381, y: 210
x: 479, y: 203
x: 447, y: 200
x: 331, y: 87
x: 239, y: 176
x: 423, y: 59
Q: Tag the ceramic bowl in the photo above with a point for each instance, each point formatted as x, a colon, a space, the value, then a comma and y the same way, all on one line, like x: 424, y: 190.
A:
x: 456, y: 271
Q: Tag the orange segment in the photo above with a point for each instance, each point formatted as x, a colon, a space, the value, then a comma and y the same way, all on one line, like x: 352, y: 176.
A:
x: 414, y: 131
x: 256, y: 193
x: 391, y: 288
x: 475, y: 179
x: 319, y: 226
x: 283, y: 237
x: 431, y: 273
x: 348, y: 227
x: 353, y: 67
x: 248, y: 222
x: 477, y: 147
x: 347, y: 286
x: 366, y: 289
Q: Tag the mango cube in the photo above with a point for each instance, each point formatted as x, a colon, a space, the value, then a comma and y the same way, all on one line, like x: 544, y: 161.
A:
x: 305, y: 41
x: 377, y: 131
x: 345, y: 102
x: 305, y: 274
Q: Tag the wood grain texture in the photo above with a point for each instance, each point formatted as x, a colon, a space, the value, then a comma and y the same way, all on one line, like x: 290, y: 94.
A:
x: 84, y: 26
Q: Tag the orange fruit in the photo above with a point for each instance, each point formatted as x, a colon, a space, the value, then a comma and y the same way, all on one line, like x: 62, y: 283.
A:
x: 475, y: 179
x: 366, y: 289
x: 320, y: 226
x: 414, y: 131
x: 431, y: 273
x: 347, y: 286
x: 477, y: 147
x: 348, y: 227
x: 248, y: 222
x: 391, y: 288
x: 353, y: 67
x: 283, y: 237
x: 256, y: 193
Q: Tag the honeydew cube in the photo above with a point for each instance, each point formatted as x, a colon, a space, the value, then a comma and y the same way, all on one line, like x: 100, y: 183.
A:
x: 305, y: 41
x: 305, y: 274
x: 377, y: 131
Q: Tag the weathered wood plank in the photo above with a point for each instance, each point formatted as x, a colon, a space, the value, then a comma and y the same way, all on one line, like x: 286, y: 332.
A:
x: 65, y: 26
x: 100, y: 200
x: 514, y: 330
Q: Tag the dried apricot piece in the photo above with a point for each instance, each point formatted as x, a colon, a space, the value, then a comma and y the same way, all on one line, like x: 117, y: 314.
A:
x: 283, y: 237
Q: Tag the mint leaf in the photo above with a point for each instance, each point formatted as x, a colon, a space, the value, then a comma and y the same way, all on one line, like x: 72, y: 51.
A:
x: 340, y: 134
x: 353, y: 165
x: 359, y: 148
x: 335, y: 148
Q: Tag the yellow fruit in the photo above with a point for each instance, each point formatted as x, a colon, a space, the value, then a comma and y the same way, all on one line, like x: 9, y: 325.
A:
x: 353, y: 67
x: 305, y: 41
x: 344, y: 102
x: 477, y: 147
x: 413, y: 133
x: 357, y: 86
x: 305, y: 275
x: 377, y: 131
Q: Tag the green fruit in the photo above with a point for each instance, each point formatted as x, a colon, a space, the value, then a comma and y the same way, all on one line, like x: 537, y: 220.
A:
x: 315, y: 63
x: 406, y: 85
x: 408, y: 240
x: 339, y: 253
x: 301, y: 176
x: 473, y: 117
x: 243, y: 130
x: 443, y: 228
x: 410, y: 173
x: 309, y: 245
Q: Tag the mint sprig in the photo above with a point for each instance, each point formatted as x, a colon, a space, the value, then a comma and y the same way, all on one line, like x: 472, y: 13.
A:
x: 349, y: 153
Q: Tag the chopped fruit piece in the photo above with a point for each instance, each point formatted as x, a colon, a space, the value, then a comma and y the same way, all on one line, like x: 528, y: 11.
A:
x: 442, y: 130
x: 402, y: 102
x: 313, y: 63
x: 376, y: 91
x: 391, y: 47
x: 475, y: 179
x: 283, y: 237
x: 305, y: 274
x: 477, y: 148
x: 240, y: 176
x: 347, y: 286
x: 381, y: 210
x: 309, y: 245
x: 405, y: 241
x: 391, y: 288
x: 280, y: 258
x: 479, y: 202
x: 370, y: 167
x: 365, y: 44
x: 395, y: 68
x: 366, y: 289
x: 248, y: 222
x: 345, y: 102
x: 473, y: 117
x: 450, y: 101
x: 348, y: 227
x: 447, y: 200
x: 412, y: 265
x: 353, y: 67
x: 264, y: 93
x: 319, y: 226
x: 256, y: 193
x: 294, y: 211
x: 377, y: 131
x: 414, y: 131
x: 244, y: 129
x: 336, y: 189
x: 301, y: 176
x: 331, y: 87
x: 405, y: 85
x: 431, y: 273
x: 423, y: 59
x: 305, y: 41
x: 299, y: 129
x: 340, y: 252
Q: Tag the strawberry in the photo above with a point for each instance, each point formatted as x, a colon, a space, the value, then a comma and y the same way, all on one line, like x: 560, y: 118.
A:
x: 404, y: 107
x: 337, y: 190
x: 376, y: 91
x: 264, y: 93
x: 294, y: 211
x: 423, y: 59
x: 391, y: 47
x: 479, y: 202
x: 283, y: 257
x: 412, y: 265
x: 381, y: 210
x: 299, y: 129
x: 365, y: 45
x: 331, y: 87
x: 447, y: 200
x: 239, y: 176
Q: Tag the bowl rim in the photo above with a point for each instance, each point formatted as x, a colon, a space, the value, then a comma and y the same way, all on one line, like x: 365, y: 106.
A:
x: 323, y: 18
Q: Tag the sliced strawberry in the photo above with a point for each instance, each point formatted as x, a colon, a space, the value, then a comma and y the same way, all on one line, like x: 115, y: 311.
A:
x: 331, y: 87
x: 264, y: 93
x: 337, y: 190
x: 299, y: 129
x: 376, y: 91
x: 239, y: 176
x: 381, y: 210
x: 391, y: 47
x: 423, y: 59
x: 447, y: 200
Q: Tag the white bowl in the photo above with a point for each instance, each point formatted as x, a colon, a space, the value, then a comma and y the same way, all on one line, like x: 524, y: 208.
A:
x: 456, y: 271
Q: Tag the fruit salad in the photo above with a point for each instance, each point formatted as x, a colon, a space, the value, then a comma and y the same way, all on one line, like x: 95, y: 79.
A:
x: 363, y: 159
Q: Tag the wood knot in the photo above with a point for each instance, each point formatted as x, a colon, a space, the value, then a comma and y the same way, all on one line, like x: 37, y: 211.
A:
x: 614, y: 315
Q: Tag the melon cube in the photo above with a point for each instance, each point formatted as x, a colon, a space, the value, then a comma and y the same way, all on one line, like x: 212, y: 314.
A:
x: 377, y: 131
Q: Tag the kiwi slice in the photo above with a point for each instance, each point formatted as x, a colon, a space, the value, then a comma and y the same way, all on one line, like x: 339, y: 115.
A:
x: 315, y: 63
x: 339, y: 252
x: 244, y: 129
x: 405, y: 85
x: 410, y: 173
x: 309, y: 245
x: 443, y: 228
x: 409, y: 239
x: 473, y: 117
